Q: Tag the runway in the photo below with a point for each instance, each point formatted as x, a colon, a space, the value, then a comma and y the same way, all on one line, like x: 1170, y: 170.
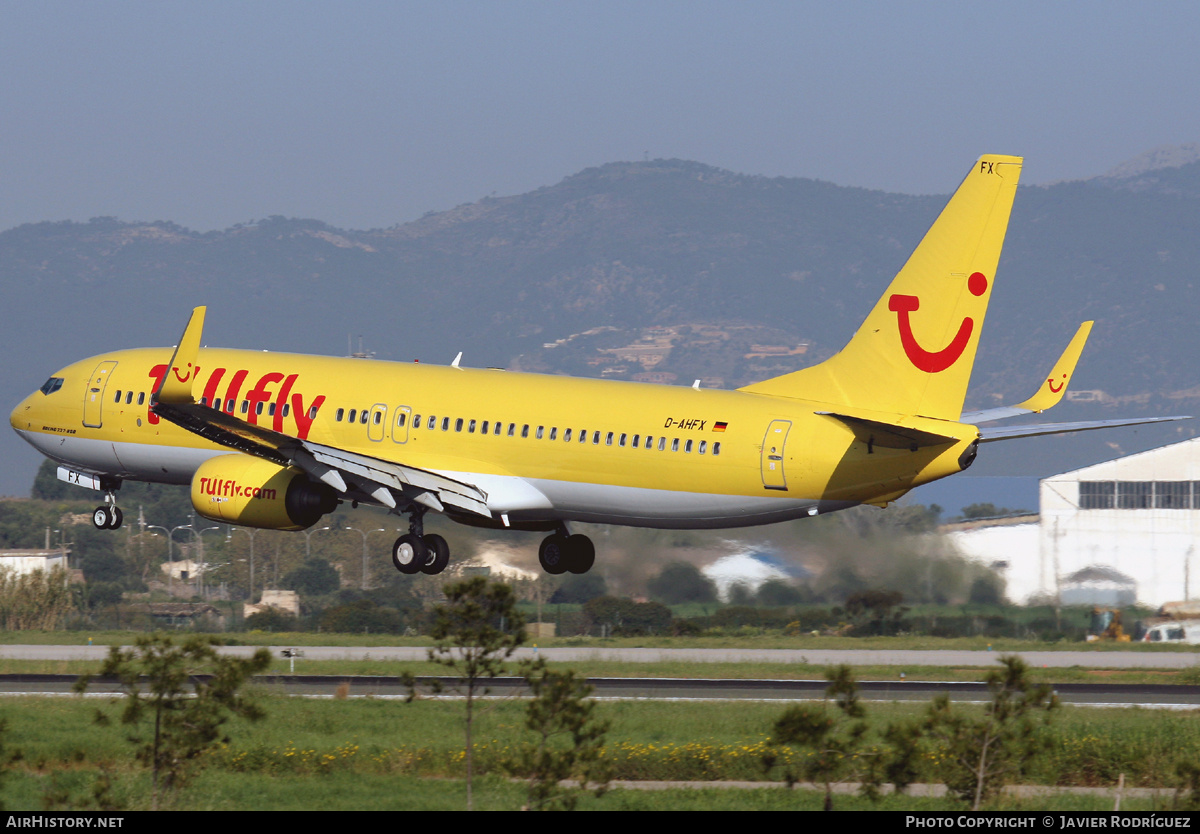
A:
x: 1161, y: 696
x: 1102, y: 659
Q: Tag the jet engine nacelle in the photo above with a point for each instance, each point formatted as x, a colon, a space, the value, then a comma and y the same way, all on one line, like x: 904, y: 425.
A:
x: 251, y: 492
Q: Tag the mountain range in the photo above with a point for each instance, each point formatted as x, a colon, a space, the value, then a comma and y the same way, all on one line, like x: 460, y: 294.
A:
x: 663, y: 270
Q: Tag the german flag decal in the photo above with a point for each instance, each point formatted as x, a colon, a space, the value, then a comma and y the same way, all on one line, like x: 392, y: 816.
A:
x: 719, y: 426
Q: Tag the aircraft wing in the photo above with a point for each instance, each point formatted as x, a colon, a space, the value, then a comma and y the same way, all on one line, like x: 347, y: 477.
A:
x: 988, y: 435
x: 1049, y: 393
x: 355, y: 475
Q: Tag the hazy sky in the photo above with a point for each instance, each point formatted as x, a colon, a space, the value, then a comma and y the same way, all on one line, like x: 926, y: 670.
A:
x: 372, y: 113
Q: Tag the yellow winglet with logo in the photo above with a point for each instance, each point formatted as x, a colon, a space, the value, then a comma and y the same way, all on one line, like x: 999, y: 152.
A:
x: 176, y: 387
x: 1050, y: 393
x: 1055, y: 386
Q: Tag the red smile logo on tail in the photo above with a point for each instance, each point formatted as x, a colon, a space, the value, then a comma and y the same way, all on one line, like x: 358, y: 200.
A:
x: 1050, y: 383
x: 931, y: 362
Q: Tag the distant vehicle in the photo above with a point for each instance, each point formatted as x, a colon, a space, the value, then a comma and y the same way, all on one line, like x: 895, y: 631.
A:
x: 1176, y: 631
x: 276, y: 441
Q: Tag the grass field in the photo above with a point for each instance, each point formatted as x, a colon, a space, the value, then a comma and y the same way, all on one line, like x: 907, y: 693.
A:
x: 383, y: 754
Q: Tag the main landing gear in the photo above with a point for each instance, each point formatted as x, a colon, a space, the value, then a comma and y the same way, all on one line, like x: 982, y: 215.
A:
x: 108, y: 517
x: 562, y: 553
x: 415, y: 552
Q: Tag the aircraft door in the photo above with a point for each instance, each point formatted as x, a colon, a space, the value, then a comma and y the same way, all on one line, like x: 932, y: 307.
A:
x: 93, y: 395
x: 375, y: 423
x: 400, y: 422
x: 772, y: 454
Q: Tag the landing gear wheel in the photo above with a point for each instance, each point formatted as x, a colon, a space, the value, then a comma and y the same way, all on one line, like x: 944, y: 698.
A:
x: 116, y: 518
x: 439, y: 554
x: 581, y: 553
x: 101, y: 519
x: 553, y: 555
x: 409, y: 554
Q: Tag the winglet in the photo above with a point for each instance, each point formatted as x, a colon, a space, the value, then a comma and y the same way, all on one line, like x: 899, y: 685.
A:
x: 1049, y: 393
x: 176, y: 387
x: 1055, y: 386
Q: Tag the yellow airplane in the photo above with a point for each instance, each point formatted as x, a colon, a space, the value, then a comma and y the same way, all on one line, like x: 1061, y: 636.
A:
x: 276, y: 440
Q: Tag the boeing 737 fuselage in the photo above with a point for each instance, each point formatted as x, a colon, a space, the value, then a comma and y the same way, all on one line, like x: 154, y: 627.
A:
x: 277, y: 440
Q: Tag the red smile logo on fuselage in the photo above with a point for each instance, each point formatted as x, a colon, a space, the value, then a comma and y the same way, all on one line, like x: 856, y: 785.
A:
x: 931, y: 362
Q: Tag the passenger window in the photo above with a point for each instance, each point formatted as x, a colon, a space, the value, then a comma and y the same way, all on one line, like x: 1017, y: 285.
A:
x: 271, y: 410
x: 471, y: 427
x: 339, y: 414
x: 595, y: 438
x: 129, y: 398
x: 583, y: 435
x: 362, y: 416
x: 416, y: 422
x: 662, y: 443
x: 687, y: 447
x: 621, y: 442
x: 499, y: 426
x: 203, y: 400
x: 458, y: 424
x: 567, y: 436
x: 432, y: 421
x: 636, y: 437
x: 217, y: 404
x: 539, y: 432
x: 258, y: 408
x: 703, y: 446
x: 141, y: 397
x: 649, y: 442
x: 675, y: 444
x: 525, y: 430
x: 608, y: 439
x: 512, y: 429
x: 245, y: 406
x: 400, y: 420
x: 378, y: 418
x: 117, y: 398
x: 483, y: 429
x: 717, y: 448
x: 312, y: 413
x: 445, y: 424
x: 353, y: 414
x: 287, y: 409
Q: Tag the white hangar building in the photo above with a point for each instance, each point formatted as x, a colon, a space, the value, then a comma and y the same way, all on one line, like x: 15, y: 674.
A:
x: 1138, y: 516
x: 1126, y: 528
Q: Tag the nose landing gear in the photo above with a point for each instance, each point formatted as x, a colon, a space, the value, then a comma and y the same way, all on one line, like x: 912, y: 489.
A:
x: 108, y: 517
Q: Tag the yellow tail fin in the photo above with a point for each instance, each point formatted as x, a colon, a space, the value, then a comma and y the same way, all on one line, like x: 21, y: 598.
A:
x: 914, y: 352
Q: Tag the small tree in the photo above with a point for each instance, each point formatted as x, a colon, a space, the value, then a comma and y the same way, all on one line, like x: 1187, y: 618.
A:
x: 177, y: 699
x: 984, y: 752
x: 474, y: 634
x: 830, y: 742
x: 570, y: 740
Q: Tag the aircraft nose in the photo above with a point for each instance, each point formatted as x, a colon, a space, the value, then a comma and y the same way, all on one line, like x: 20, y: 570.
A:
x: 20, y: 416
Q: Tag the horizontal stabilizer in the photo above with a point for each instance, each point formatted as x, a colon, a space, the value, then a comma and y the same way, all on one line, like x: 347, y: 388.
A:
x: 1049, y: 393
x: 889, y: 435
x: 988, y: 435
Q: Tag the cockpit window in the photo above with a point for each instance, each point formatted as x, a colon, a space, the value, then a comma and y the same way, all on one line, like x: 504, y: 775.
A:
x: 52, y: 385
